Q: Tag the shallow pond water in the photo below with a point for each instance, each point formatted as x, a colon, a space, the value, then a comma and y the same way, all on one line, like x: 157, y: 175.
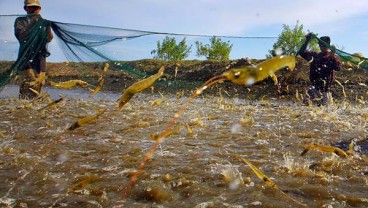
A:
x: 43, y: 164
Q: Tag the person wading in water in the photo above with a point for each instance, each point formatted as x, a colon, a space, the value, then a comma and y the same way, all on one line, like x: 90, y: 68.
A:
x: 33, y: 33
x: 322, y: 70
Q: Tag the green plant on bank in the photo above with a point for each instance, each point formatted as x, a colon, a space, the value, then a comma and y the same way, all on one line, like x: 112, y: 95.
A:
x: 169, y: 50
x: 217, y: 50
x: 290, y: 41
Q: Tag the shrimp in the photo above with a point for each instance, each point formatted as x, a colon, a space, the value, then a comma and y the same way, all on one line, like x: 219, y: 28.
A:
x: 86, y: 120
x: 38, y: 81
x: 176, y: 130
x: 99, y: 86
x: 343, y: 89
x: 101, y: 80
x: 351, y: 150
x: 139, y: 86
x: 34, y: 91
x: 323, y: 148
x: 269, y: 182
x: 52, y: 103
x: 106, y: 67
x: 69, y: 84
x: 260, y: 174
x: 251, y: 74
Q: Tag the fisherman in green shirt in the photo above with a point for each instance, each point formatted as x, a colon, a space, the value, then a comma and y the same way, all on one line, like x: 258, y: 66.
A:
x: 33, y: 33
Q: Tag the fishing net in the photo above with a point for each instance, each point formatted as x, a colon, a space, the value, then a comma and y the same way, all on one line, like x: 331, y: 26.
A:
x: 79, y: 43
x: 355, y: 59
x: 87, y: 43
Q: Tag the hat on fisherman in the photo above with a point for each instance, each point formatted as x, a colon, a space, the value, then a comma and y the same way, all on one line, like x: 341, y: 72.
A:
x: 32, y: 3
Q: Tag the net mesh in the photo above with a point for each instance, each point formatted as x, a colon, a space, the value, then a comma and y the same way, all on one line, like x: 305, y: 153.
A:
x: 79, y: 43
x: 87, y: 43
x: 355, y: 59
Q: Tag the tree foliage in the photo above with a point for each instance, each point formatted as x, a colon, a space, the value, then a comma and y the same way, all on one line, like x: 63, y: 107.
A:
x: 169, y: 50
x: 216, y: 50
x: 290, y: 40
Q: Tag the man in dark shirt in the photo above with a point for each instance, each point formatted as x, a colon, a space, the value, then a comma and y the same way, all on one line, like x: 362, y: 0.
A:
x: 322, y: 67
x: 33, y: 33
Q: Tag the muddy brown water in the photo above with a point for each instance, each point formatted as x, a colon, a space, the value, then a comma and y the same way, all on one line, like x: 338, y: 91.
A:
x: 43, y: 164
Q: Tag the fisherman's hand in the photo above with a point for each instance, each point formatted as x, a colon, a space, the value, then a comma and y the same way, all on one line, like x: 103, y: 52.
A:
x: 333, y: 49
x: 308, y: 36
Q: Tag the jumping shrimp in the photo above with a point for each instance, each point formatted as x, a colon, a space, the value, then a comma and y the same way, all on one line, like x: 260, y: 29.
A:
x: 51, y: 103
x: 324, y: 148
x: 139, y: 86
x: 251, y: 74
x: 86, y: 120
x: 69, y: 84
x: 268, y: 181
x: 101, y: 80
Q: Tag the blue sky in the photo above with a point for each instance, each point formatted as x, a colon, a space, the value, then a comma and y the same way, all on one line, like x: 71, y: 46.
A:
x: 345, y: 21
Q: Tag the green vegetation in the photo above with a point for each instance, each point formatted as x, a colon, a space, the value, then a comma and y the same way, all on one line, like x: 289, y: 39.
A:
x: 169, y: 50
x: 288, y: 43
x: 217, y: 50
x: 290, y: 40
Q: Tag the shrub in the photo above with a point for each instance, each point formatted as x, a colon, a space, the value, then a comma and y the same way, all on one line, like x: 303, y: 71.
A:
x: 290, y: 41
x: 169, y: 50
x: 217, y: 50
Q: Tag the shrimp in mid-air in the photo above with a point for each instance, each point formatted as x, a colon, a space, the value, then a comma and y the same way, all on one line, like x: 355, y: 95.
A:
x: 86, y: 120
x: 260, y: 174
x: 269, y: 182
x: 51, y: 103
x: 251, y: 74
x: 69, y: 84
x: 323, y: 148
x: 101, y: 80
x: 139, y: 86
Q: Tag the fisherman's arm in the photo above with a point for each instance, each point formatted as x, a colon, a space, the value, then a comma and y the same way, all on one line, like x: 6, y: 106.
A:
x: 49, y: 31
x: 20, y: 29
x: 334, y: 59
x: 302, y: 49
x: 336, y: 62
